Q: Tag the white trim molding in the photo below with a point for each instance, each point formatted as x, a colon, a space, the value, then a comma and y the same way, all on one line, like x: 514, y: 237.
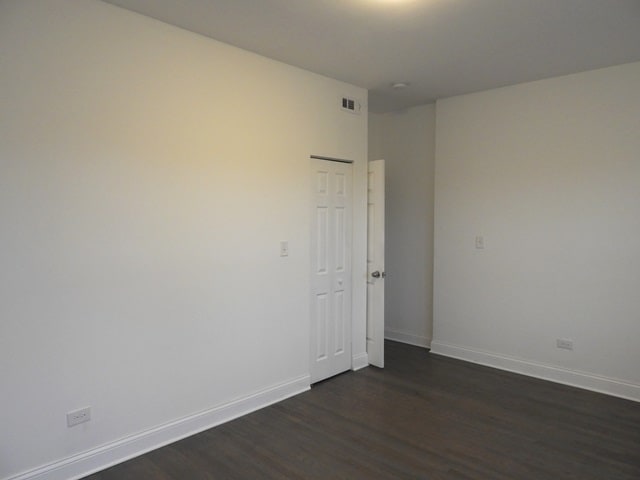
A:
x: 359, y: 361
x: 112, y: 453
x: 574, y: 378
x: 407, y: 338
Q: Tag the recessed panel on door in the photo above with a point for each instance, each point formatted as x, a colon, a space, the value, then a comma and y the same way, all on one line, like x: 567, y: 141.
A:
x: 340, y: 240
x: 322, y: 327
x: 322, y: 234
x: 339, y: 322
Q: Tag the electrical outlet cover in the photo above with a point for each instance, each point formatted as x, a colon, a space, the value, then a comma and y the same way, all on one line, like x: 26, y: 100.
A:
x: 78, y: 416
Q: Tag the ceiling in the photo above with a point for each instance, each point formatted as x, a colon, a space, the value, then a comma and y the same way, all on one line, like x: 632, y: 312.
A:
x: 440, y: 48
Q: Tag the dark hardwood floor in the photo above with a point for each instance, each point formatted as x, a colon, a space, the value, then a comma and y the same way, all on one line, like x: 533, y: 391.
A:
x: 423, y: 416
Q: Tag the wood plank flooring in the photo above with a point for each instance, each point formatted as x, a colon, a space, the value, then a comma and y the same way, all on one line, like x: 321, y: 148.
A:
x: 422, y: 417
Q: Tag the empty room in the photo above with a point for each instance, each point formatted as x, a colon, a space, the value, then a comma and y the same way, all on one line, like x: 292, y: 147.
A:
x: 376, y: 239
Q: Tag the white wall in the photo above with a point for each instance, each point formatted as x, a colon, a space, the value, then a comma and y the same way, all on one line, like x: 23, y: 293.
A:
x: 406, y: 140
x: 549, y: 173
x: 147, y: 176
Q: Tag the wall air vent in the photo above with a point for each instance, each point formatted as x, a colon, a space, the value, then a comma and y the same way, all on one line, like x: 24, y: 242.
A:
x: 350, y: 105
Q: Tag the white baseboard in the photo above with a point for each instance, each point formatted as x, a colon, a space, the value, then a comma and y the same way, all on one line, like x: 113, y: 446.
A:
x: 132, y: 446
x: 359, y: 361
x: 587, y: 381
x: 407, y: 338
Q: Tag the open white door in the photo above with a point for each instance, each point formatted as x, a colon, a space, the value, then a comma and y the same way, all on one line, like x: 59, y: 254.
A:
x: 375, y: 265
x: 330, y: 268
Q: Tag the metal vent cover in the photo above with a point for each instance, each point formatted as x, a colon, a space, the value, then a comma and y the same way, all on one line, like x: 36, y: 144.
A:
x: 351, y: 105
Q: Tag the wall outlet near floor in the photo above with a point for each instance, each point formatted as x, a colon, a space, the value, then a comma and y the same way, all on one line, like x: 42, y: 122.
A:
x: 78, y: 416
x: 564, y: 343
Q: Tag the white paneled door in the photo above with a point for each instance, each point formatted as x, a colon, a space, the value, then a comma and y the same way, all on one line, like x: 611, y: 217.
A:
x: 375, y: 264
x: 331, y: 217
